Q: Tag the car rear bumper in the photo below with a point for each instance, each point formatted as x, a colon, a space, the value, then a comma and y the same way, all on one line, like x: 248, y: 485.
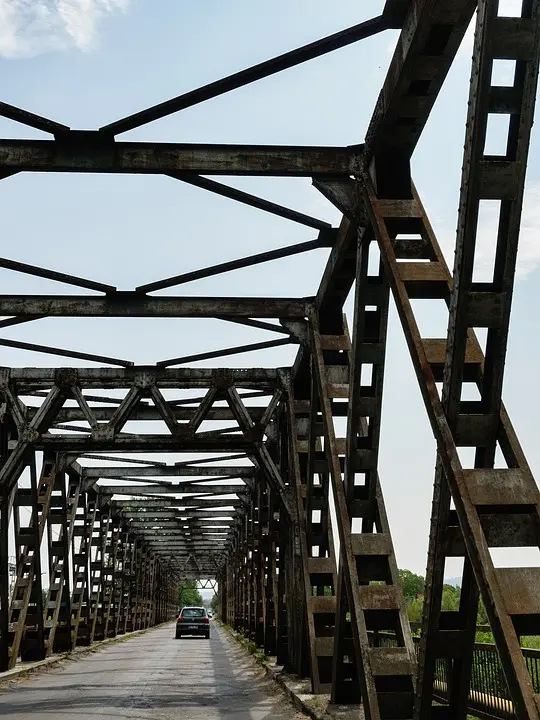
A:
x: 184, y: 629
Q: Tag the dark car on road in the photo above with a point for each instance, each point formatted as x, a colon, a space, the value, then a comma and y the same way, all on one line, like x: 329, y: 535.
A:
x: 193, y: 621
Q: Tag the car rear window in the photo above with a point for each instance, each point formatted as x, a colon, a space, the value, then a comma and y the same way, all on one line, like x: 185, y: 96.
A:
x: 193, y: 613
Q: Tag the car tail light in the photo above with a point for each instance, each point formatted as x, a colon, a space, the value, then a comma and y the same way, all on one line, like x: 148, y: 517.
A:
x: 180, y: 619
x: 205, y: 619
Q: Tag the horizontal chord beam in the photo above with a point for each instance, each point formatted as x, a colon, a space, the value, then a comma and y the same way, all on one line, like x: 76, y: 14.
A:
x: 134, y: 304
x: 95, y: 152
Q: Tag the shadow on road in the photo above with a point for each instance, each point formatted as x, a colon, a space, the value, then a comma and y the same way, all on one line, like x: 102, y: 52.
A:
x: 151, y: 677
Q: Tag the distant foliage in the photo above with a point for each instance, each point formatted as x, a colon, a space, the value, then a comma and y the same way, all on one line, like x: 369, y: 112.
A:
x: 188, y: 594
x: 413, y: 589
x: 413, y: 585
x: 214, y: 604
x: 450, y: 597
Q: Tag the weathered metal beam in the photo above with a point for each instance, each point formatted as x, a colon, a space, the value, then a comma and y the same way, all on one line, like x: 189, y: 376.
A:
x: 145, y: 504
x: 325, y: 239
x: 223, y: 458
x: 192, y: 546
x: 31, y: 120
x: 47, y: 350
x: 141, y: 443
x: 114, y: 458
x: 61, y: 528
x: 17, y: 460
x: 271, y: 327
x: 169, y: 471
x: 191, y: 543
x: 187, y: 545
x: 113, y: 378
x: 472, y: 489
x: 193, y: 492
x: 338, y: 275
x: 485, y: 177
x: 4, y: 563
x: 134, y: 304
x: 173, y: 527
x: 9, y: 322
x: 251, y: 200
x: 95, y: 152
x: 217, y: 526
x: 238, y: 350
x: 180, y: 547
x: 54, y: 275
x: 166, y: 490
x: 142, y: 515
x: 26, y: 607
x: 432, y: 33
x: 395, y: 11
x: 204, y: 502
x: 259, y: 449
x: 148, y: 413
x: 81, y: 557
x: 250, y: 75
x: 171, y: 535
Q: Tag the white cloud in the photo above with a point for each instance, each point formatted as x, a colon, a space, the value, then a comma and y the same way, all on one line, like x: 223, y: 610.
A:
x: 31, y: 27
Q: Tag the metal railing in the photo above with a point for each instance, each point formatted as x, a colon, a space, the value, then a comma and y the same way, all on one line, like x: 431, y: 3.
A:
x: 489, y: 696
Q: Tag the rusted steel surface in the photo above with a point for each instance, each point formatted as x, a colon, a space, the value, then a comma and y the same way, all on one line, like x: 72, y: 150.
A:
x: 85, y: 518
x: 60, y: 529
x: 477, y: 424
x: 94, y: 152
x: 26, y: 632
x: 430, y: 37
x: 476, y: 534
x: 251, y: 515
x: 384, y: 683
x: 134, y: 304
x: 316, y: 542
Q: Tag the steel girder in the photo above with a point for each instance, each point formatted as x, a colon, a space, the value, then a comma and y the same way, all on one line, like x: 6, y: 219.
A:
x: 121, y: 537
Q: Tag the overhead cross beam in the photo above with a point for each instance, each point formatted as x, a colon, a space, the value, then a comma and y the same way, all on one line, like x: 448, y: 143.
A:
x: 169, y: 471
x: 134, y: 304
x: 96, y: 152
x: 116, y: 378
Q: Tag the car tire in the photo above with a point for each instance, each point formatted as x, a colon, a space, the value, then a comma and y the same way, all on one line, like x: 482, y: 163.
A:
x: 178, y: 636
x: 207, y: 636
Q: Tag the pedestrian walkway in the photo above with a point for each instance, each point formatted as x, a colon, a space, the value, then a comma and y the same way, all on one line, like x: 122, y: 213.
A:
x: 149, y: 677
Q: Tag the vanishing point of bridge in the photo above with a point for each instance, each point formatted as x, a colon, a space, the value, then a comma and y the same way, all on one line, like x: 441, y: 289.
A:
x: 282, y: 503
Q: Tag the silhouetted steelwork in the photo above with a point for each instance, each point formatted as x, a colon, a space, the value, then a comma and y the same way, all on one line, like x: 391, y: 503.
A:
x: 253, y: 515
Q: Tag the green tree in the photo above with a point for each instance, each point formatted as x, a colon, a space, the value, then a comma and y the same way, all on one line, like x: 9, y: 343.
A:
x: 414, y: 610
x: 214, y: 604
x: 188, y: 594
x: 450, y: 598
x: 482, y: 614
x: 413, y: 585
x: 413, y: 590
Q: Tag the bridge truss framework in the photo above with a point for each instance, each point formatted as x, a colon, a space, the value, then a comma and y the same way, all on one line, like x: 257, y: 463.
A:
x: 255, y: 511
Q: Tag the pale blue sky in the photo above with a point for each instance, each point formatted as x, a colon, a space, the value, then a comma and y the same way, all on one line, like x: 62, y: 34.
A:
x: 86, y: 66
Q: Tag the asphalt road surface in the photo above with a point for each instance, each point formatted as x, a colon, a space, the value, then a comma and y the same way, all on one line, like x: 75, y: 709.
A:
x: 148, y: 677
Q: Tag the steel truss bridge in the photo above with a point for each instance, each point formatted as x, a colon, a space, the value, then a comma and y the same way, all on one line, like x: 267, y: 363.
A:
x: 254, y: 511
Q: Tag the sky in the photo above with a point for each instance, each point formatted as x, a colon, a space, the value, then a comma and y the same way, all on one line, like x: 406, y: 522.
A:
x: 86, y: 63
